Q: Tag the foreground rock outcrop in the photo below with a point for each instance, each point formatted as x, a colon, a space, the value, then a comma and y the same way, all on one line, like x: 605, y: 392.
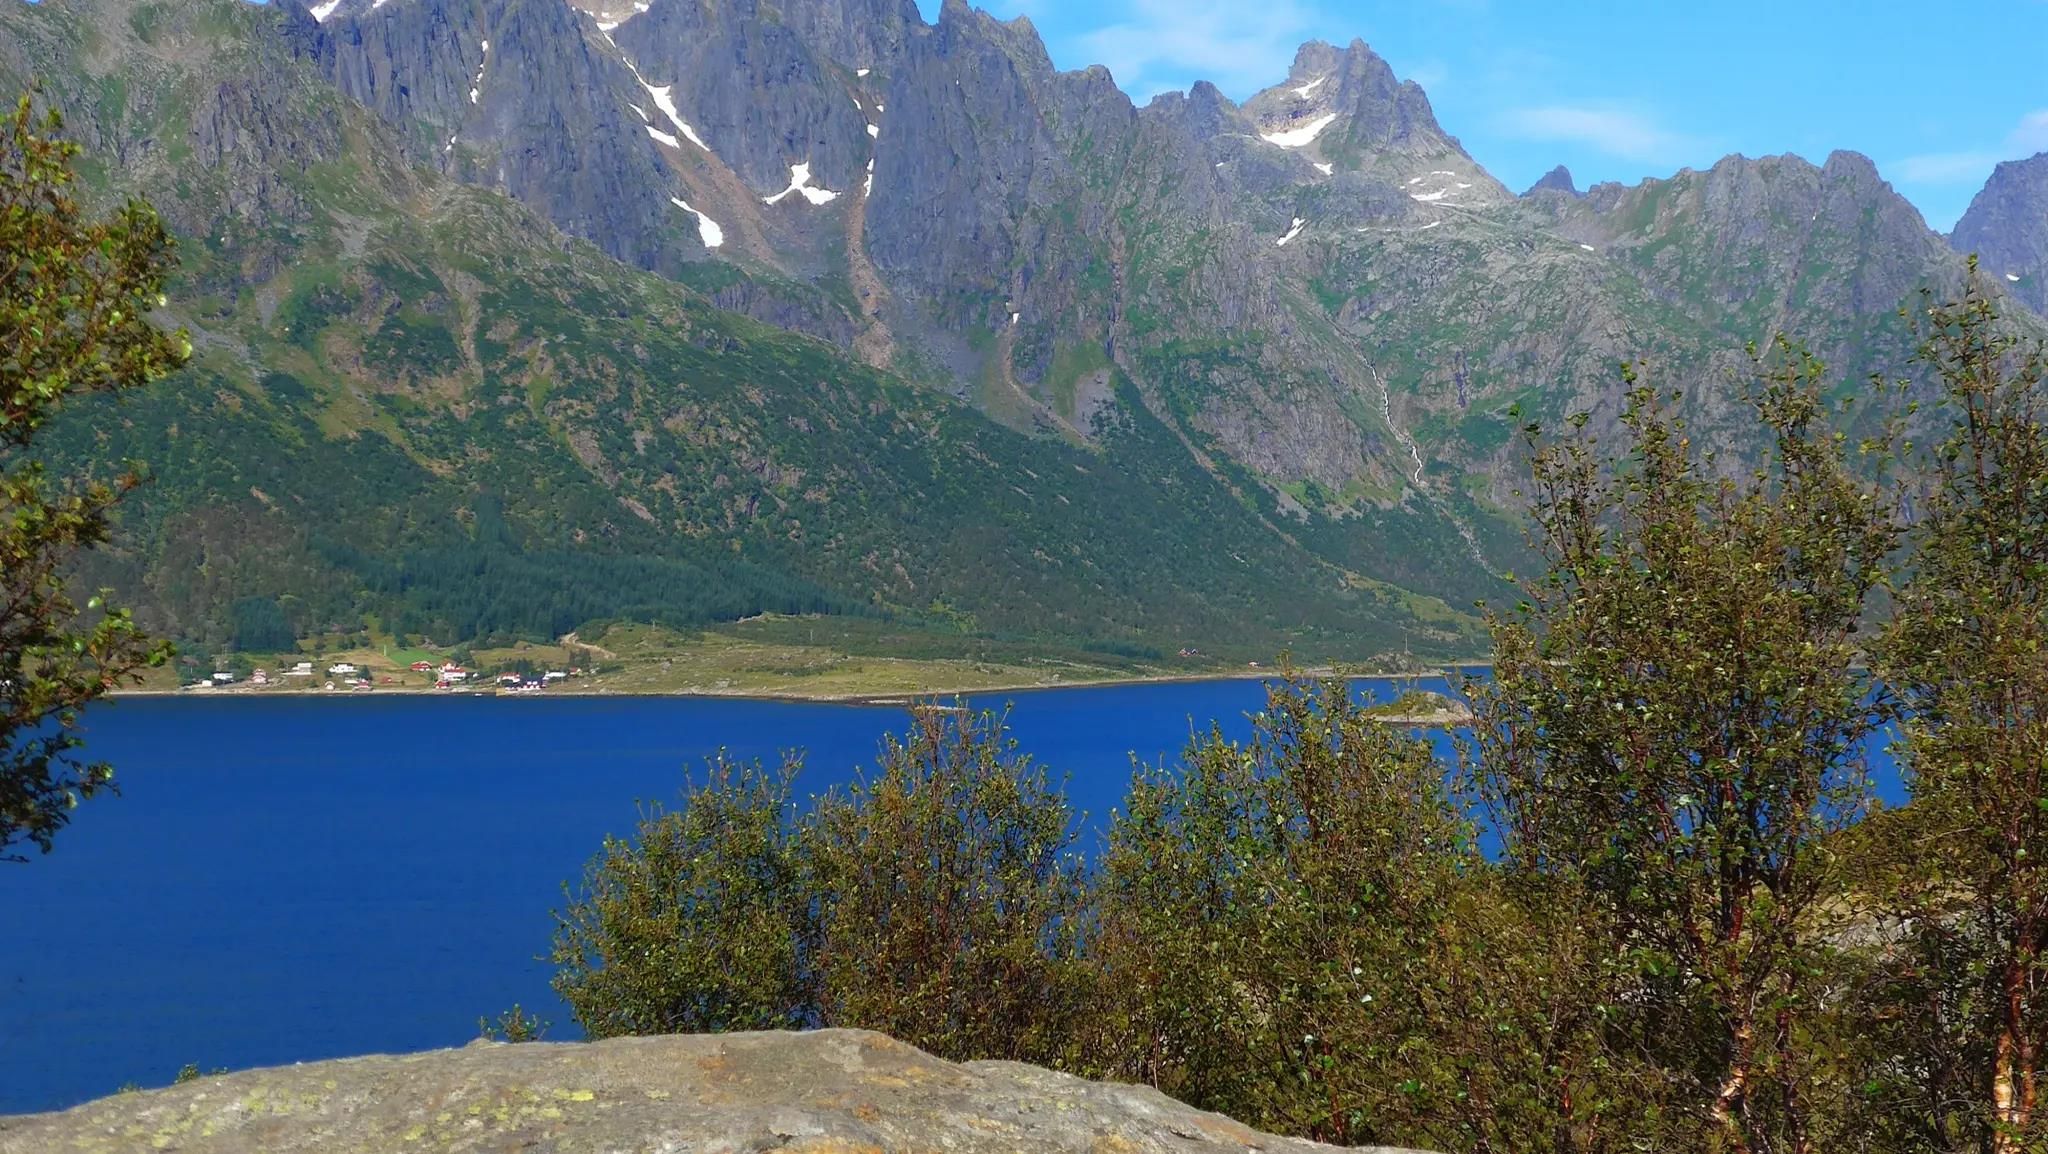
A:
x: 831, y: 1090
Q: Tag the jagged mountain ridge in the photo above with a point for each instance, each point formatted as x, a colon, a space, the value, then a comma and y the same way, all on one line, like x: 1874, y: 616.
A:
x: 415, y: 399
x: 1019, y: 156
x: 1315, y: 300
x: 1007, y: 188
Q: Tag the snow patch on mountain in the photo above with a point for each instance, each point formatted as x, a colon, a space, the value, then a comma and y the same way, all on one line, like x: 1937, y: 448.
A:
x: 1293, y: 231
x: 800, y: 183
x: 1298, y: 137
x: 661, y: 99
x: 664, y: 137
x: 707, y: 229
x: 668, y: 109
x: 1311, y: 86
x: 476, y: 86
x: 1436, y: 186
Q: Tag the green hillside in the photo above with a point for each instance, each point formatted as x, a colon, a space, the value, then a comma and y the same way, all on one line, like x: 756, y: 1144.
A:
x: 416, y: 406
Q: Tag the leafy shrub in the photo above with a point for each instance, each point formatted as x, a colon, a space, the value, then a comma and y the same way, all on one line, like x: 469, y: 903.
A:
x: 1279, y: 924
x: 936, y: 901
x: 700, y: 923
x: 949, y: 895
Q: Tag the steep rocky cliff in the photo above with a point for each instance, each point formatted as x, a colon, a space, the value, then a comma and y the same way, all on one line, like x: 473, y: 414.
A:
x: 2007, y: 227
x: 837, y: 1091
x: 516, y: 95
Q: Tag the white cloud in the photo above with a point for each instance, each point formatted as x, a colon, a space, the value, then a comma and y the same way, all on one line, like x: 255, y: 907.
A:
x: 1615, y: 131
x: 2032, y: 134
x: 1162, y: 45
x: 1433, y: 74
x: 1946, y: 167
x: 1972, y: 165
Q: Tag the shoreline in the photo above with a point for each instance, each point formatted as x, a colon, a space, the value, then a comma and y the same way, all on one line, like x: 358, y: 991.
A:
x: 895, y: 699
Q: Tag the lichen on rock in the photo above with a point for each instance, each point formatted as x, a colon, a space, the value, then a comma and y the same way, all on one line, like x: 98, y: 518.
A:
x: 825, y: 1090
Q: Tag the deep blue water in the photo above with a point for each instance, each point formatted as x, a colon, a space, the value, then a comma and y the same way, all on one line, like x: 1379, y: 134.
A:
x: 290, y: 879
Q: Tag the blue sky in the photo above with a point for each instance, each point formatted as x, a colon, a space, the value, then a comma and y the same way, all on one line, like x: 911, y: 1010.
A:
x: 1935, y: 93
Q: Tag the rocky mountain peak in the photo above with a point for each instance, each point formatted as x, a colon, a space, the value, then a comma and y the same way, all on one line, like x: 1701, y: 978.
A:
x: 1017, y: 38
x: 1383, y: 108
x: 1313, y: 59
x: 1346, y: 110
x: 1203, y: 111
x: 2006, y: 225
x: 1558, y: 179
x: 1854, y: 167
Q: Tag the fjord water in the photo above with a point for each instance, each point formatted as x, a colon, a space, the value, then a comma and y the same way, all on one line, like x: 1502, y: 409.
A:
x: 286, y: 879
x: 289, y: 879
